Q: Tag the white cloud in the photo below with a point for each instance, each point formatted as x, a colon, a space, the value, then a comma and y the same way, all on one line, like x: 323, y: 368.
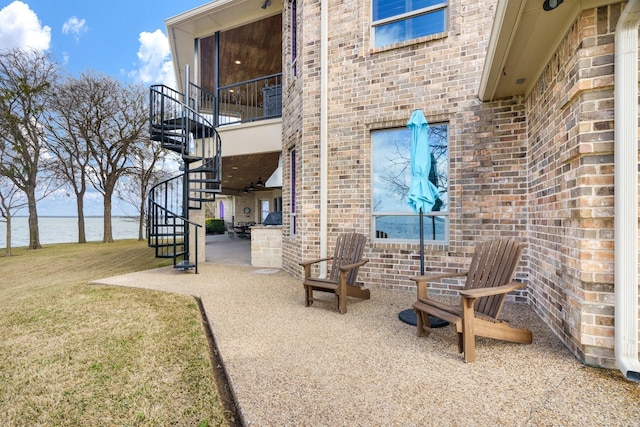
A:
x: 74, y: 26
x: 21, y: 28
x: 154, y: 60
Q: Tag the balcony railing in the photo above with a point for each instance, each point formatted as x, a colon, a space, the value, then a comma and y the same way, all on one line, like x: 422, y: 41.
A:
x: 251, y: 100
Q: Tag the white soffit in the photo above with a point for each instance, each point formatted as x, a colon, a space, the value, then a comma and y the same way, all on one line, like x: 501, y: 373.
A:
x: 523, y: 39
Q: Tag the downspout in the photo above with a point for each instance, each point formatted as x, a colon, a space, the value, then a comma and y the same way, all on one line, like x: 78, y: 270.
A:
x: 324, y: 161
x: 626, y: 191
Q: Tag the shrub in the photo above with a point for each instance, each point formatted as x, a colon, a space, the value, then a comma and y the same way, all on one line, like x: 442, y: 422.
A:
x: 214, y: 226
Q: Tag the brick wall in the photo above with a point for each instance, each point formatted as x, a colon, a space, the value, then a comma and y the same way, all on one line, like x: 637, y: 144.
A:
x: 379, y: 88
x: 291, y: 128
x: 570, y: 116
x: 538, y: 169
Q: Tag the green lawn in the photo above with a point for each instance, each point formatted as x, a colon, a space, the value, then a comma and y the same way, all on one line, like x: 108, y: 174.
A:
x: 72, y: 354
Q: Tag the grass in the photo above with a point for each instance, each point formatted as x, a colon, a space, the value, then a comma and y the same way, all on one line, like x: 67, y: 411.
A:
x: 73, y: 354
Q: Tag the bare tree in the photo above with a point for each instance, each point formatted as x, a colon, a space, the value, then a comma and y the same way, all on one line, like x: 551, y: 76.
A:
x: 147, y: 170
x: 70, y: 122
x: 100, y: 136
x: 11, y: 201
x: 26, y: 78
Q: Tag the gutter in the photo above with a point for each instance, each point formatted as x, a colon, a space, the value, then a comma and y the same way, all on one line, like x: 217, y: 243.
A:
x: 324, y: 151
x: 626, y: 191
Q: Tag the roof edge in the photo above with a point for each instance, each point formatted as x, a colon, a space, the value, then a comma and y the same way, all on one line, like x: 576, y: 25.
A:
x: 506, y: 19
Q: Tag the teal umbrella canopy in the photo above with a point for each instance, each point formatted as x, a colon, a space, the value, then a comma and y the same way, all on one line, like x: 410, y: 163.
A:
x: 422, y: 192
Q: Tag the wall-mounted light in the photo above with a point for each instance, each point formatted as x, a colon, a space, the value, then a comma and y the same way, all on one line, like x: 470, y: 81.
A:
x: 551, y: 4
x: 266, y: 4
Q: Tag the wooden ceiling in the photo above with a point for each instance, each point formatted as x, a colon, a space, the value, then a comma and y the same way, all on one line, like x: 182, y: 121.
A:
x: 256, y: 46
x: 239, y: 172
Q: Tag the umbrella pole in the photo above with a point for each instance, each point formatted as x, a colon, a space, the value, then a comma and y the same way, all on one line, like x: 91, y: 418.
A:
x: 409, y: 315
x: 421, y: 243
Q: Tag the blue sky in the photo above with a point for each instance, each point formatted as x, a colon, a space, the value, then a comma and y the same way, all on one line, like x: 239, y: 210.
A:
x: 124, y: 39
x: 117, y: 37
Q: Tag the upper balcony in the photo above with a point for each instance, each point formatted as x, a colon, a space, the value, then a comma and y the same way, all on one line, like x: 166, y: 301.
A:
x: 233, y: 49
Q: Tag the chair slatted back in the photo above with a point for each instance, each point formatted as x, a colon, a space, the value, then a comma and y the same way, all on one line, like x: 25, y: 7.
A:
x: 494, y: 263
x: 348, y: 250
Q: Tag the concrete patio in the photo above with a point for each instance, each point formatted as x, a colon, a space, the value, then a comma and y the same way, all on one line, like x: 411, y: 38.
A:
x: 291, y: 365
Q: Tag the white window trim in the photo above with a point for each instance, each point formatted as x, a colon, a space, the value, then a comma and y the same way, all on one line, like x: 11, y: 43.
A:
x: 445, y: 214
x: 396, y: 18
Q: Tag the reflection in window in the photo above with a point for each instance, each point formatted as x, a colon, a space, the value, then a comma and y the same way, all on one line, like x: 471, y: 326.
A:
x: 399, y: 20
x: 392, y: 217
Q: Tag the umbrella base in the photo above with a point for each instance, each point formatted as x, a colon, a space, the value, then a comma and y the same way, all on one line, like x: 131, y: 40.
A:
x: 408, y: 316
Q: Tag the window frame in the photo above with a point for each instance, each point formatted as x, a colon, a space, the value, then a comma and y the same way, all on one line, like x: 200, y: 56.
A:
x: 445, y: 214
x: 293, y: 229
x: 294, y: 38
x: 442, y: 6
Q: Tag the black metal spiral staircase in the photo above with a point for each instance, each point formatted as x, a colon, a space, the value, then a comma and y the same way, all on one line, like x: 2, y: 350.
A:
x: 182, y: 123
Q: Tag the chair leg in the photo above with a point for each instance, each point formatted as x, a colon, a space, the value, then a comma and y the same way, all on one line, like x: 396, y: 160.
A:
x: 308, y: 296
x: 469, y: 337
x: 341, y: 294
x: 420, y: 321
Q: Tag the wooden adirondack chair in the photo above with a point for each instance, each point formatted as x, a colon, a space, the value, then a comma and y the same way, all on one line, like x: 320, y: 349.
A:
x: 489, y: 280
x: 346, y: 261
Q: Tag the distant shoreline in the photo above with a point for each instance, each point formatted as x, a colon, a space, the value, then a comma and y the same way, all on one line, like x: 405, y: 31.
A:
x: 64, y: 229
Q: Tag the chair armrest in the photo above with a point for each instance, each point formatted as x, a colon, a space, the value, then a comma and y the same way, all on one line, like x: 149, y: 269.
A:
x: 434, y: 277
x: 307, y: 265
x: 487, y: 292
x: 421, y: 281
x: 315, y: 261
x: 348, y: 267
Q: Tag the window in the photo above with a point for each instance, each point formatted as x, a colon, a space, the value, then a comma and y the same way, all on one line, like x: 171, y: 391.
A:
x: 292, y: 183
x: 392, y: 217
x: 399, y: 20
x: 265, y: 209
x: 294, y: 37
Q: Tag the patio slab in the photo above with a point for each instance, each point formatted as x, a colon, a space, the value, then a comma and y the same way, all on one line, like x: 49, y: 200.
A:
x: 291, y: 365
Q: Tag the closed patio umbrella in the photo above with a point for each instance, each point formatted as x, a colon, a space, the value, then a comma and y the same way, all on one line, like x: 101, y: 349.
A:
x: 423, y: 194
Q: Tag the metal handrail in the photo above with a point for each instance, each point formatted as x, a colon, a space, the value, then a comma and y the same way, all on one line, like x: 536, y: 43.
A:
x: 250, y: 100
x: 167, y: 105
x: 177, y: 121
x: 159, y: 211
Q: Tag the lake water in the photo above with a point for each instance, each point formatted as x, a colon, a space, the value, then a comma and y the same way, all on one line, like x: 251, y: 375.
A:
x: 65, y: 230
